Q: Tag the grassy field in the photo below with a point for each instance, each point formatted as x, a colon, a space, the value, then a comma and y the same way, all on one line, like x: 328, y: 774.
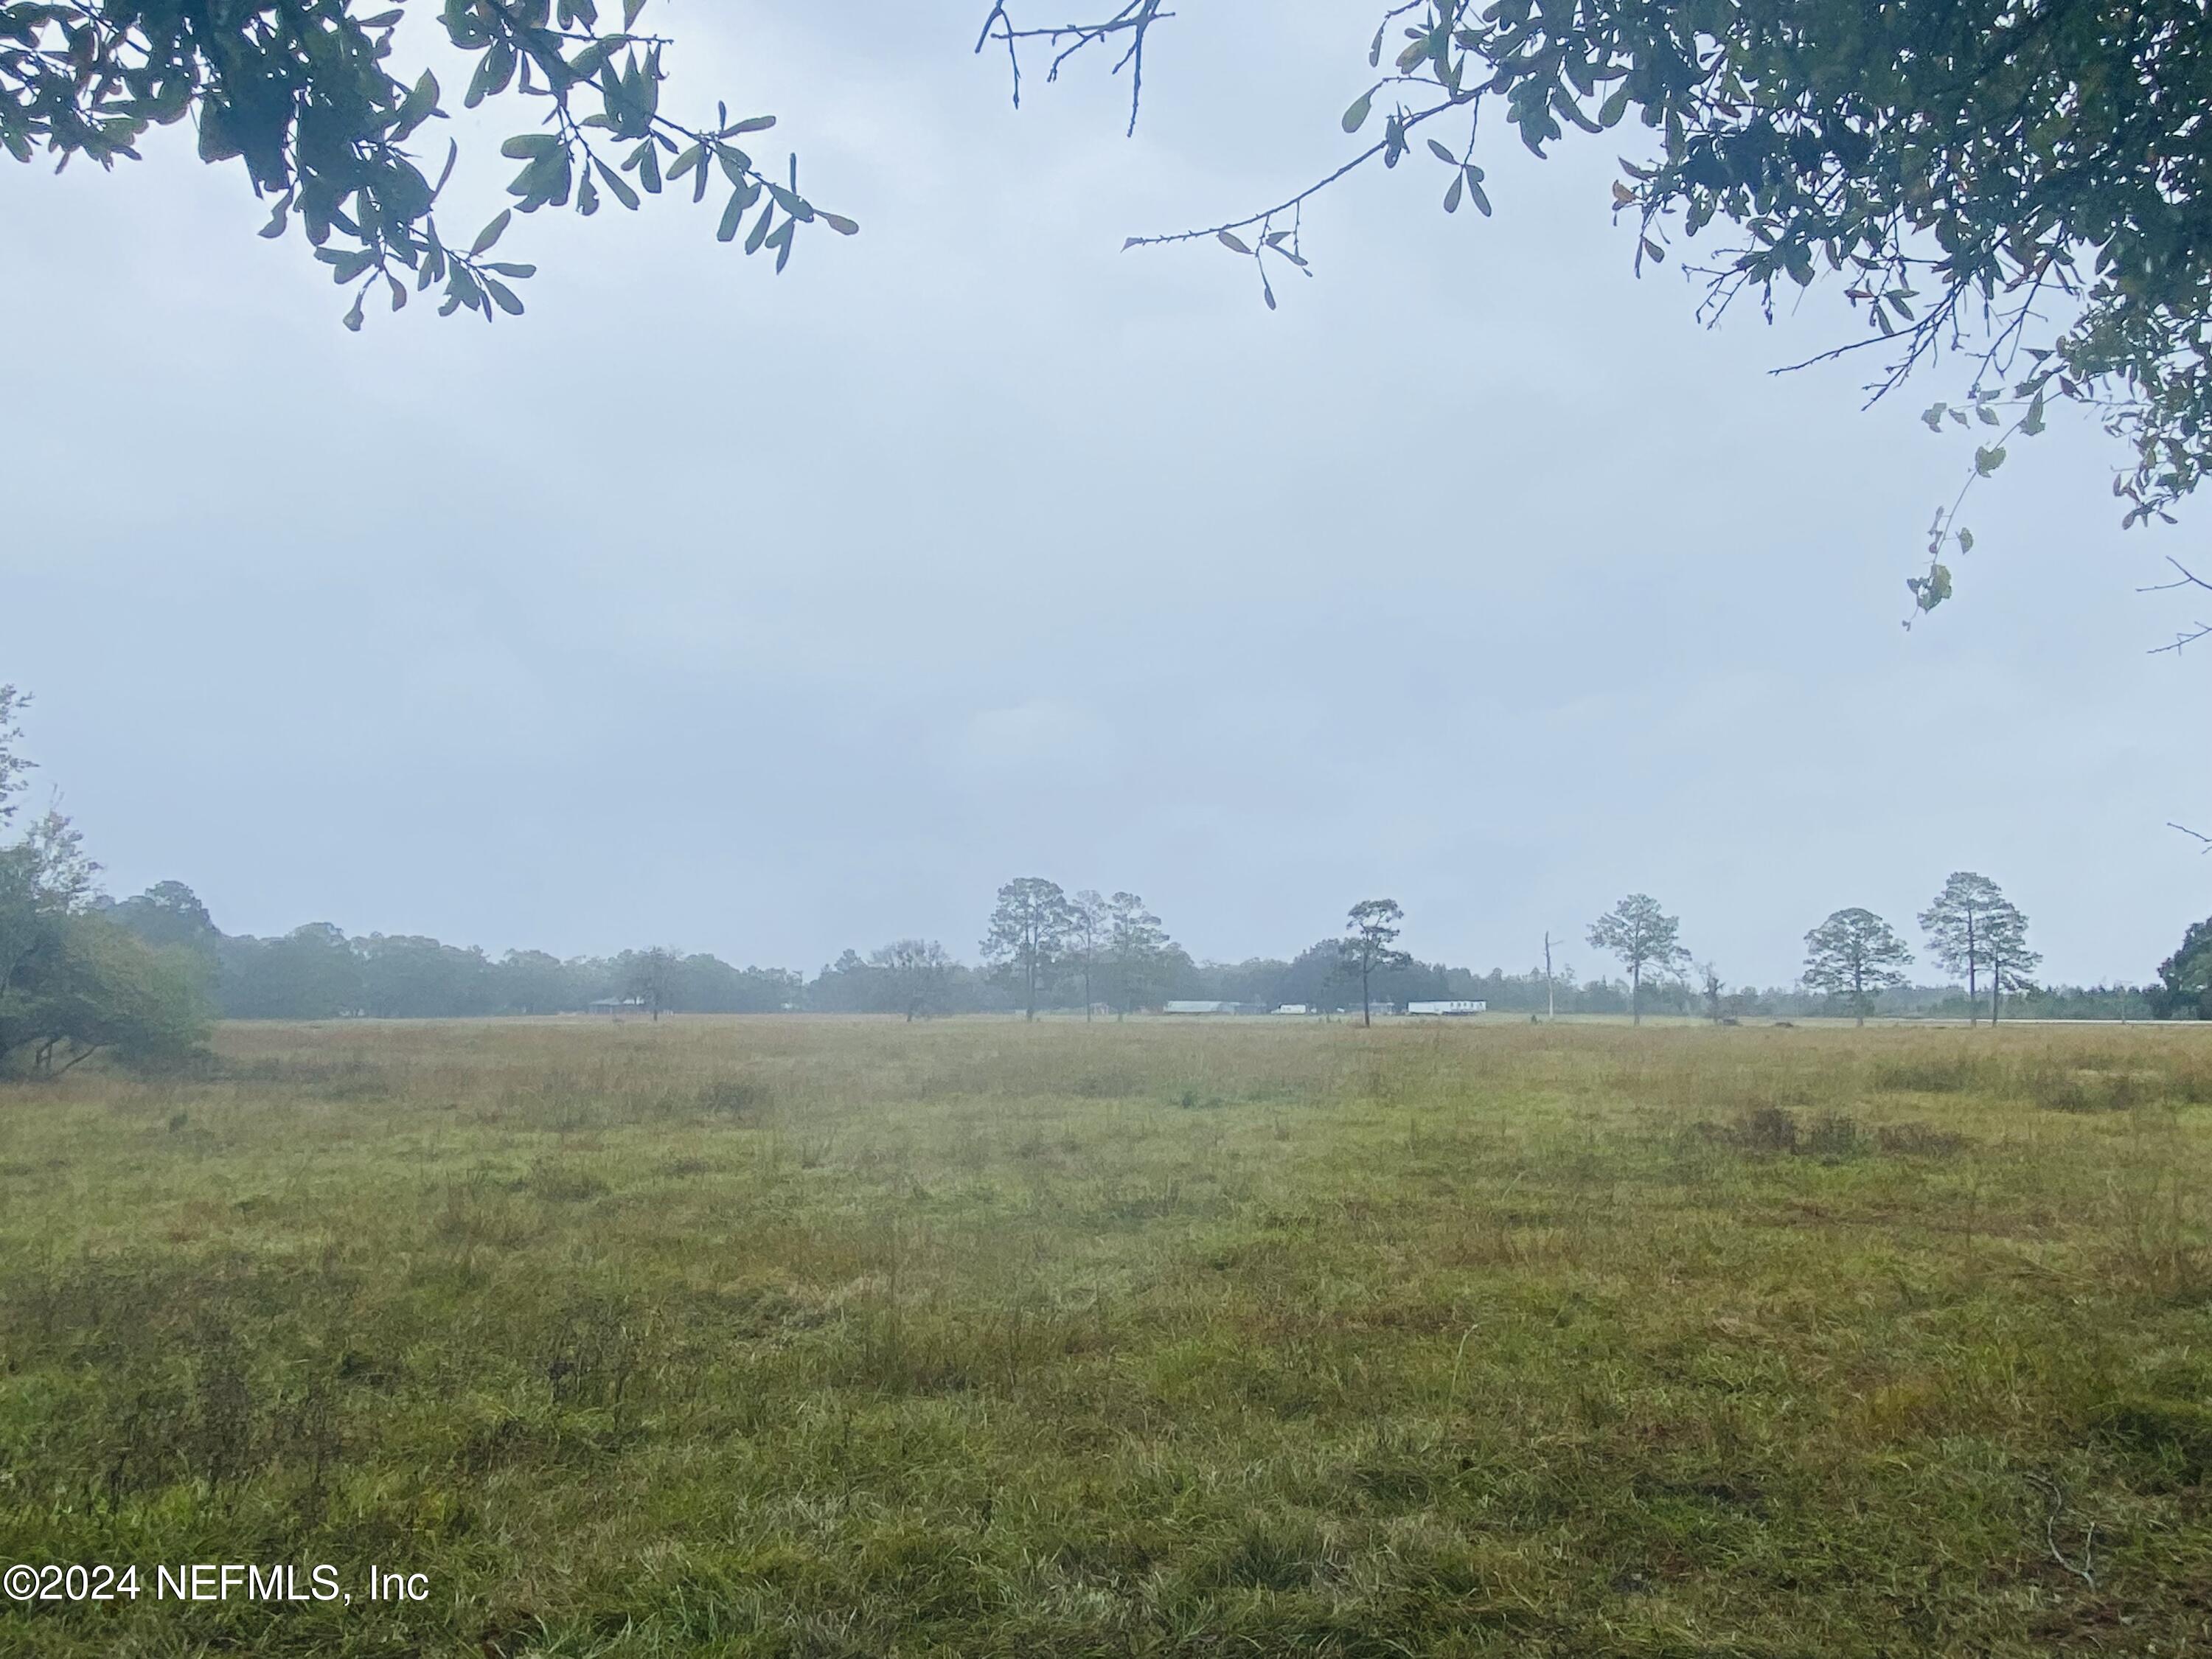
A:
x: 815, y: 1337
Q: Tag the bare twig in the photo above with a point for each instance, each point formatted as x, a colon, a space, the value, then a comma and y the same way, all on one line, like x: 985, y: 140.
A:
x: 1135, y: 19
x: 2184, y: 577
x: 1264, y: 215
x: 2193, y: 834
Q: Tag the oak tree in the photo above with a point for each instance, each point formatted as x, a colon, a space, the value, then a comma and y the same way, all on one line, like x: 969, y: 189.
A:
x: 2185, y: 979
x: 650, y: 976
x: 919, y: 972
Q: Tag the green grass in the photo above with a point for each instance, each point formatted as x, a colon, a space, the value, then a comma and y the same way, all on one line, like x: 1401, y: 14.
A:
x: 812, y: 1337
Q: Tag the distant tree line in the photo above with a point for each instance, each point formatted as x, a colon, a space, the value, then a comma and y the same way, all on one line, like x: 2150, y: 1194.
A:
x: 1047, y: 950
x: 318, y: 972
x: 142, y: 978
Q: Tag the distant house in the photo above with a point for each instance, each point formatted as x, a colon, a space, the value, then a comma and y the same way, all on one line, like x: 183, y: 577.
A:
x: 1208, y: 1008
x: 1446, y: 1009
x: 1294, y: 1008
x: 616, y: 1007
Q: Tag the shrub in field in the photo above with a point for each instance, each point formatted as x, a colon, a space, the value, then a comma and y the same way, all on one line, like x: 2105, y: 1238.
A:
x: 1766, y: 1129
x: 2062, y: 1088
x: 1927, y: 1073
x: 1833, y: 1134
x: 1770, y: 1128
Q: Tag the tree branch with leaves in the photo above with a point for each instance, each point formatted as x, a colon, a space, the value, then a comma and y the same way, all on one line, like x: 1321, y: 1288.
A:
x: 301, y: 93
x: 2027, y: 182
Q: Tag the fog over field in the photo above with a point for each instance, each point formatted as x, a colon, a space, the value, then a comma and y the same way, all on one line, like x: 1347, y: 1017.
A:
x: 1115, y: 924
x: 772, y: 616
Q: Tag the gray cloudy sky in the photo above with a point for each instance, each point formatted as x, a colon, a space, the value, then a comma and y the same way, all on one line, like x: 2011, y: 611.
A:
x: 769, y: 616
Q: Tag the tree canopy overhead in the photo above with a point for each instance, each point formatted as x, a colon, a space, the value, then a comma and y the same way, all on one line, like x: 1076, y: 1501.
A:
x: 304, y: 96
x: 2025, y: 179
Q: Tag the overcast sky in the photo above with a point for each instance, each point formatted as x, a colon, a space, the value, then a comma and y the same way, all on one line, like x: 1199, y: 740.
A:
x: 771, y: 615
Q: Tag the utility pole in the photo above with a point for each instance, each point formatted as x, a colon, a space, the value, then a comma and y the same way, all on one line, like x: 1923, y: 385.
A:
x: 1551, y: 1009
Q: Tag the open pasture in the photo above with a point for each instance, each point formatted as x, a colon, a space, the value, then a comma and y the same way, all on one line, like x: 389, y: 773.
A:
x: 812, y: 1337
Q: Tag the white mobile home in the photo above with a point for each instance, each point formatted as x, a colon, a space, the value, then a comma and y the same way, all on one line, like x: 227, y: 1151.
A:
x: 1446, y: 1009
